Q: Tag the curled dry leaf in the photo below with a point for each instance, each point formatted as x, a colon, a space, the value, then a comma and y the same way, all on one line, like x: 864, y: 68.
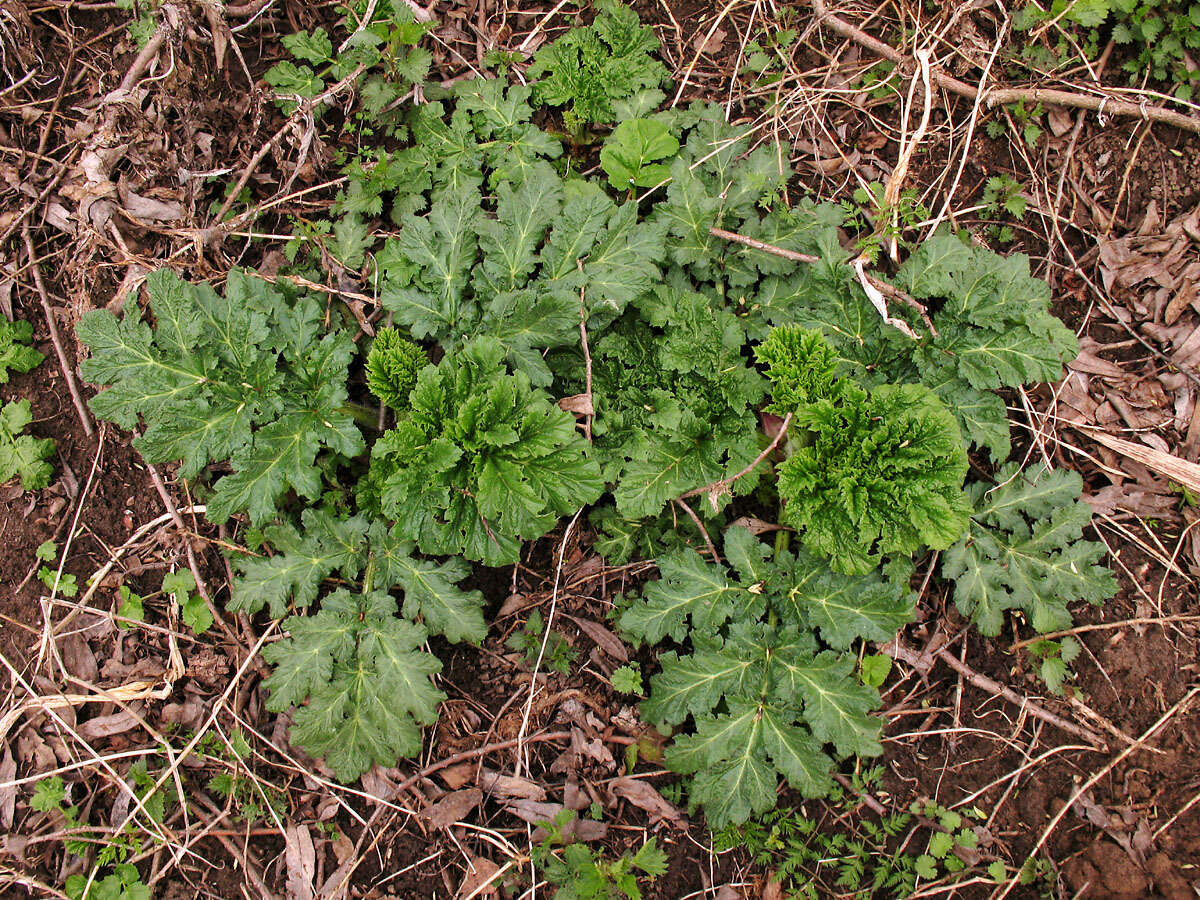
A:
x: 603, y: 638
x: 643, y: 795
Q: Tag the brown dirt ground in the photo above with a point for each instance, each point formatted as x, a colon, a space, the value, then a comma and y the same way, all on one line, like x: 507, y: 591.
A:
x: 951, y: 741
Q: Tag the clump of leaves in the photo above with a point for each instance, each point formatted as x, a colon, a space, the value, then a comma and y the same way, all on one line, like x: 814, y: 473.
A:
x: 868, y: 474
x: 595, y: 70
x: 22, y: 455
x: 15, y: 354
x: 392, y: 367
x: 581, y: 873
x: 357, y: 671
x: 770, y: 682
x: 383, y: 45
x: 1162, y: 35
x: 1024, y: 551
x: 674, y: 400
x: 854, y: 855
x: 482, y: 461
x: 248, y: 377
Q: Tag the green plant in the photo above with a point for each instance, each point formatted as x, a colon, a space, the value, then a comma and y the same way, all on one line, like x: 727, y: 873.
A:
x: 581, y: 873
x: 1023, y: 119
x: 383, y: 46
x: 1162, y: 35
x: 870, y: 474
x: 1024, y: 551
x: 767, y: 695
x: 886, y: 221
x: 247, y: 377
x: 481, y: 461
x: 596, y: 70
x: 144, y: 22
x: 558, y: 654
x: 355, y: 670
x: 631, y: 154
x: 21, y: 455
x: 1054, y: 658
x: 627, y: 679
x: 853, y: 856
x: 250, y: 797
x: 530, y: 283
x: 392, y: 368
x: 1002, y: 194
x: 15, y: 355
x: 192, y: 608
x: 114, y: 850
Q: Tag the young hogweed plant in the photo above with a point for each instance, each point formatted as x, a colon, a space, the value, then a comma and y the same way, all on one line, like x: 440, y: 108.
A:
x: 503, y: 261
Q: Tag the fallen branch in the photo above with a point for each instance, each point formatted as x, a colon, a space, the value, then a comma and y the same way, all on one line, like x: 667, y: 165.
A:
x: 888, y: 290
x: 68, y: 373
x: 721, y: 486
x: 901, y: 651
x: 1103, y: 105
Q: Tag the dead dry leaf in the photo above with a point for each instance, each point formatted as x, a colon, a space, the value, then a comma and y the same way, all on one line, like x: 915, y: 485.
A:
x: 643, y: 795
x: 604, y: 639
x: 301, y: 860
x: 452, y: 808
x: 510, y: 786
x: 8, y: 793
x: 481, y: 872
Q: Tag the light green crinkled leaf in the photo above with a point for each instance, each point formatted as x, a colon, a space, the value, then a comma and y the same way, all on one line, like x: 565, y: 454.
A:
x: 482, y: 461
x: 21, y: 455
x: 1025, y: 551
x: 880, y: 474
x: 632, y: 154
x: 15, y: 356
x: 366, y: 681
x: 431, y: 591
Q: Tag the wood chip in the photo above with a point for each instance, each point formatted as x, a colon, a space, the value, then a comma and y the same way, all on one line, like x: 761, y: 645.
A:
x: 1178, y: 470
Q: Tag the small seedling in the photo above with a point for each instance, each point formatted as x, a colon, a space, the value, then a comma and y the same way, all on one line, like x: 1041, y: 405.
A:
x: 22, y: 455
x: 192, y: 608
x: 628, y: 679
x: 581, y: 873
x: 558, y: 655
x: 15, y: 356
